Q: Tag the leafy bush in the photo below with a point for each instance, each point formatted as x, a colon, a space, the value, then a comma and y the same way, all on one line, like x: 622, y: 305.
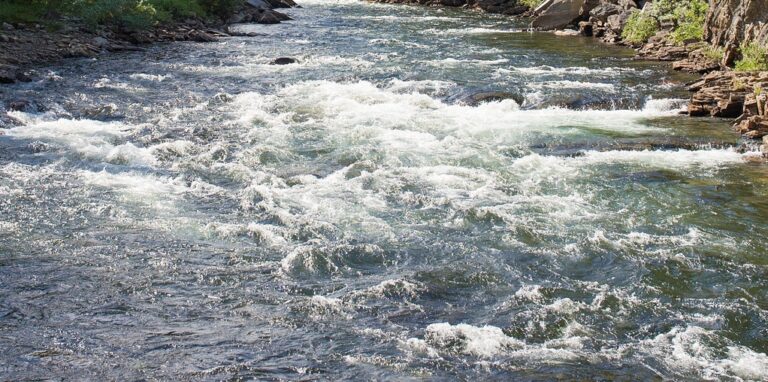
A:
x: 31, y: 11
x: 690, y: 19
x: 128, y: 14
x: 714, y: 53
x: 753, y: 58
x: 639, y: 27
x: 531, y: 3
x: 177, y: 9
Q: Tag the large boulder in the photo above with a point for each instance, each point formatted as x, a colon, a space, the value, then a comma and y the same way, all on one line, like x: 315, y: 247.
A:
x: 558, y: 14
x: 616, y: 22
x: 604, y: 10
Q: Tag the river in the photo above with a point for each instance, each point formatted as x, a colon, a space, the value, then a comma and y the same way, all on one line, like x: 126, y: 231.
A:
x: 191, y: 212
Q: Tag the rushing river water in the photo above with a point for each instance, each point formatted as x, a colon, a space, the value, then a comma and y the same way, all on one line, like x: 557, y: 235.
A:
x: 191, y: 212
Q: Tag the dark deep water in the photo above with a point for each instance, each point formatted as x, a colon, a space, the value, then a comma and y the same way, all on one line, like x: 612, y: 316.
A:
x: 193, y: 213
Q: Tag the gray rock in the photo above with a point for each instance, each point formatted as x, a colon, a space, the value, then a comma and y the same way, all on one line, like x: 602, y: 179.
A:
x: 284, y: 61
x: 617, y: 22
x: 100, y: 42
x: 558, y: 14
x: 603, y: 11
x: 8, y: 27
x: 261, y: 4
x: 491, y: 96
x: 587, y: 7
x: 628, y: 4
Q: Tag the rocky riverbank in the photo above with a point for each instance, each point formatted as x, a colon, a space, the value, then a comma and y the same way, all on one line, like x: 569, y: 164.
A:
x: 24, y: 46
x: 729, y: 25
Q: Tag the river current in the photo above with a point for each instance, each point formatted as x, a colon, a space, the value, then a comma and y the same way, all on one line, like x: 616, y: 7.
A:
x: 191, y: 212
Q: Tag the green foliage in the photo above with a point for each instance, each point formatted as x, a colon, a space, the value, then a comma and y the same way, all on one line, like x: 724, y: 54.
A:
x: 690, y: 19
x: 176, y: 9
x: 714, y: 53
x: 640, y: 27
x: 753, y: 58
x: 126, y: 14
x: 220, y: 8
x: 32, y: 11
x: 687, y: 16
x: 531, y: 3
x: 20, y: 13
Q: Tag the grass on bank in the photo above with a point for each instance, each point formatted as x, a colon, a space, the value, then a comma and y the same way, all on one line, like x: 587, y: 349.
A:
x: 639, y: 27
x: 687, y: 16
x: 531, y: 3
x: 127, y: 14
x: 753, y: 58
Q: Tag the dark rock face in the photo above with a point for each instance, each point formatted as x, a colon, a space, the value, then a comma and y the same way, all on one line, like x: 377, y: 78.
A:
x: 731, y: 23
x: 554, y: 14
x: 604, y: 10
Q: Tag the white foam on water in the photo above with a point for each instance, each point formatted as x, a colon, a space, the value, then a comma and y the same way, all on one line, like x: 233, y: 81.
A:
x: 394, y: 41
x: 571, y: 71
x: 665, y: 104
x: 92, y: 140
x: 106, y: 82
x: 566, y: 84
x: 137, y: 188
x: 364, y: 110
x: 393, y: 18
x: 263, y: 233
x: 425, y: 86
x: 150, y: 77
x: 535, y: 168
x: 483, y: 341
x: 530, y: 293
x: 457, y: 62
x: 394, y: 287
x: 687, y: 350
x: 469, y: 31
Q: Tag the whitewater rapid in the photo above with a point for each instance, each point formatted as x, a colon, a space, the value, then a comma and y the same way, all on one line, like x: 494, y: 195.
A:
x: 194, y: 211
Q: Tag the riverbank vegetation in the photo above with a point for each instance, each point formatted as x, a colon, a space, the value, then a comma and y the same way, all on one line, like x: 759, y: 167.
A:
x: 686, y: 17
x: 753, y: 58
x: 127, y: 14
x: 531, y: 3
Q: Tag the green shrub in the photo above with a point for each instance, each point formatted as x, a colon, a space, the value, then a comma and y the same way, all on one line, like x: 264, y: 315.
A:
x: 32, y: 11
x: 639, y: 27
x: 753, y: 58
x: 690, y: 19
x: 20, y: 13
x: 531, y: 3
x: 127, y: 14
x: 714, y: 53
x: 167, y: 10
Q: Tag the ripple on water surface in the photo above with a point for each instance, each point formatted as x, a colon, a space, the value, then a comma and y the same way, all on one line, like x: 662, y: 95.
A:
x: 194, y: 211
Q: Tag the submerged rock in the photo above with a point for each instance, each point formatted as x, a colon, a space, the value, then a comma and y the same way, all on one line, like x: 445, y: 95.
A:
x: 284, y: 61
x: 490, y: 96
x: 10, y: 74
